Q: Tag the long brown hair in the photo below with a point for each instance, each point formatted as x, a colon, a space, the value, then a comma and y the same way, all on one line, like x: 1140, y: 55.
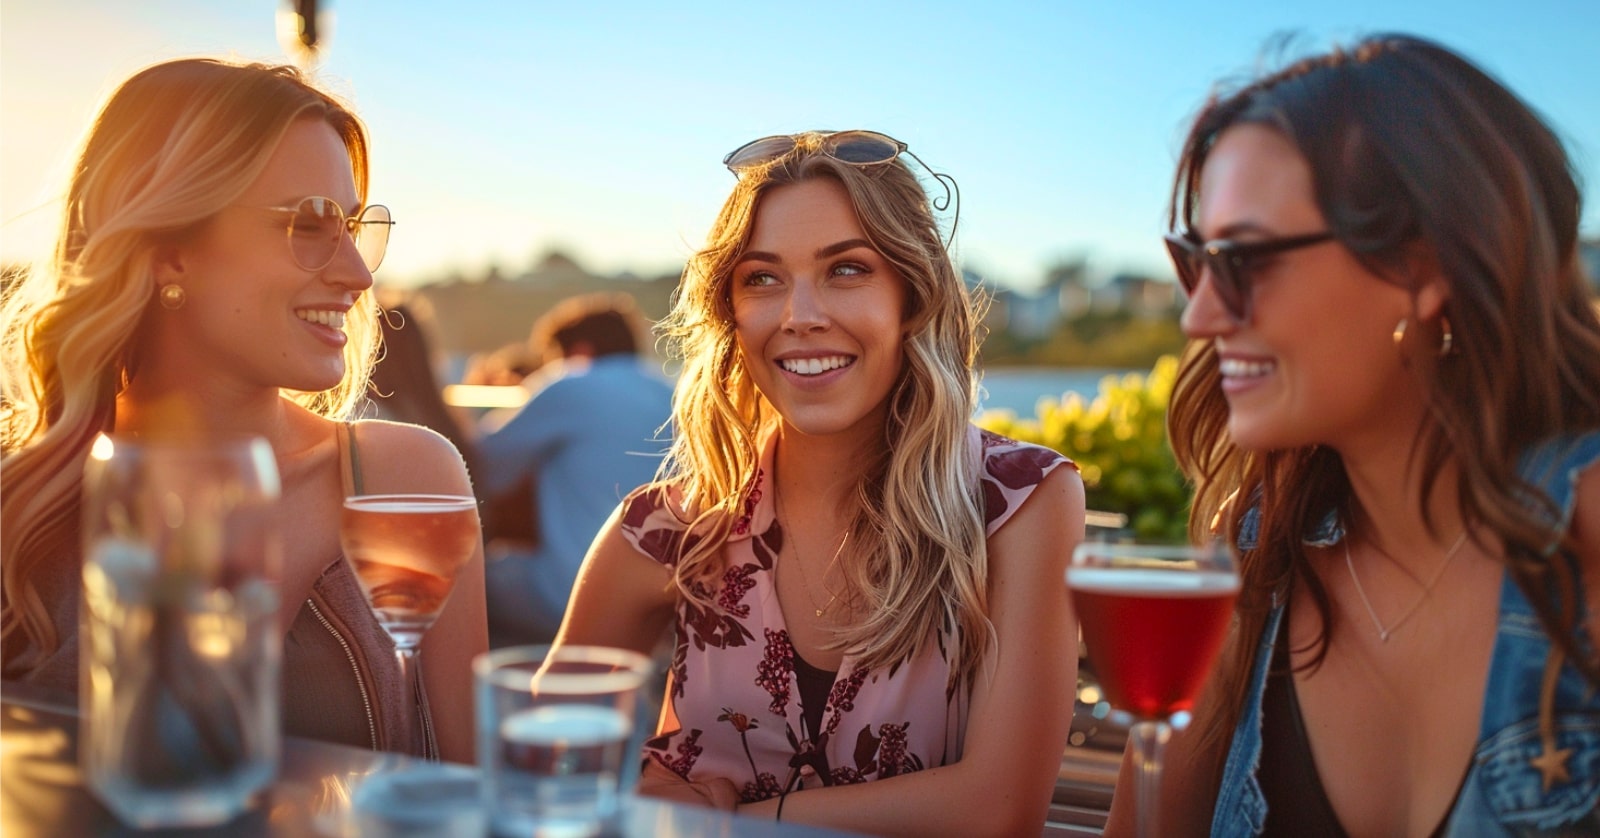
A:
x: 1409, y: 144
x: 918, y: 530
x: 173, y: 145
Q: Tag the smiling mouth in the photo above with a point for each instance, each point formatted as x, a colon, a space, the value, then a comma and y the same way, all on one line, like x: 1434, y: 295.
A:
x: 1239, y: 369
x: 331, y: 319
x: 815, y: 366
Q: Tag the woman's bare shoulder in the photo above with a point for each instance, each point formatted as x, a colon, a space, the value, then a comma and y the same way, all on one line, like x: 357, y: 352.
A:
x: 396, y: 456
x: 1051, y: 517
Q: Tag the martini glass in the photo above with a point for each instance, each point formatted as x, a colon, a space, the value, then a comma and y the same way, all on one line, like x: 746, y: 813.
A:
x: 1154, y: 617
x: 406, y: 550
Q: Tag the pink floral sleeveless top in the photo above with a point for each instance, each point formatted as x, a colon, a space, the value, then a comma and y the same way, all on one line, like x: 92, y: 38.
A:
x: 732, y: 683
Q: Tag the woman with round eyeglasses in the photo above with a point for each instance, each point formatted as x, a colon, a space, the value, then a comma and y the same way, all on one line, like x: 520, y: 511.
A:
x: 213, y: 277
x: 870, y: 630
x: 1391, y: 404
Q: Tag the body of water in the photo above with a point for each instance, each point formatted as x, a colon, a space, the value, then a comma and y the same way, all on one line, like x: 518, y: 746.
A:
x: 1019, y: 389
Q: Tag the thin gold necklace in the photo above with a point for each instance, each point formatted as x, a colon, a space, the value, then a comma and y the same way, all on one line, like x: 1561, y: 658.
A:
x: 805, y: 581
x: 1384, y: 632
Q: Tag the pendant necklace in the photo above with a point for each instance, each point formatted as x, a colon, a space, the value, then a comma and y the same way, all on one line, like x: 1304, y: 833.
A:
x: 805, y: 581
x: 1384, y: 632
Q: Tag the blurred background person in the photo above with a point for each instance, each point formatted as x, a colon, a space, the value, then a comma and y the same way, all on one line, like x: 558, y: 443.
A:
x: 587, y: 436
x: 507, y: 366
x: 405, y: 383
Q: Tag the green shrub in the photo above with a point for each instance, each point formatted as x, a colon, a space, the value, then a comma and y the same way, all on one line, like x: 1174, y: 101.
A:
x: 1119, y: 442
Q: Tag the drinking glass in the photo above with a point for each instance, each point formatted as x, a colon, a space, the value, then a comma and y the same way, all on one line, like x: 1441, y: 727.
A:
x: 554, y: 731
x: 1154, y: 617
x: 180, y: 642
x: 406, y: 550
x: 400, y: 798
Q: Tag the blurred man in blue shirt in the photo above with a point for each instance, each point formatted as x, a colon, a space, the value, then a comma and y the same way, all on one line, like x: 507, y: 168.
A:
x: 586, y: 437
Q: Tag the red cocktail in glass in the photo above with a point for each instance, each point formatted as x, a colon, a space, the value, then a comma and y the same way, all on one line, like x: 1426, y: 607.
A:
x: 1153, y: 619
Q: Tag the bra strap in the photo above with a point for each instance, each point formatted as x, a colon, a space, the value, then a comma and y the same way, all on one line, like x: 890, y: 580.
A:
x: 349, y: 460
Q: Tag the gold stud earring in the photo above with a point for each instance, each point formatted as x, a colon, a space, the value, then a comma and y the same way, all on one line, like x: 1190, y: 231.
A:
x: 1447, y: 340
x: 172, y: 296
x: 1400, y: 331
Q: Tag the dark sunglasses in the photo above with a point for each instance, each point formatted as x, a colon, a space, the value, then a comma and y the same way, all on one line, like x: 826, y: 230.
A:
x: 856, y: 147
x: 1230, y: 263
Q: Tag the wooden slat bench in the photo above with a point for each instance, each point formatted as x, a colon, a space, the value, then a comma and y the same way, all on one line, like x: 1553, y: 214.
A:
x: 1088, y: 774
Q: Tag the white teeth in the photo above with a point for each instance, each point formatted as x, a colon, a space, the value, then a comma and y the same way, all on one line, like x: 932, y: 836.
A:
x: 331, y: 319
x: 815, y: 366
x: 1236, y: 368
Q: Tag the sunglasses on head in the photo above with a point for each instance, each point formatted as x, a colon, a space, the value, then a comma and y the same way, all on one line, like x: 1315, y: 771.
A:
x: 1230, y: 263
x: 856, y: 147
x: 317, y: 227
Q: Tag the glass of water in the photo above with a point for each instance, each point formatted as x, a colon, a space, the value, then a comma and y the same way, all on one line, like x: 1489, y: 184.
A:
x: 180, y: 641
x: 407, y: 798
x: 555, y: 726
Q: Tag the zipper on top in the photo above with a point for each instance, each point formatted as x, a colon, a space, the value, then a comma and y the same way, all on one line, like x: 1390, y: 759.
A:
x: 355, y: 667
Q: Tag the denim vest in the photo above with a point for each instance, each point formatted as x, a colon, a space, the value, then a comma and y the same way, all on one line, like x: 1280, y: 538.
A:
x: 1503, y: 794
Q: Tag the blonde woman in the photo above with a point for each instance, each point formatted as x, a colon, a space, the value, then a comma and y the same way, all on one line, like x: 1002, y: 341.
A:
x: 213, y: 275
x: 867, y: 592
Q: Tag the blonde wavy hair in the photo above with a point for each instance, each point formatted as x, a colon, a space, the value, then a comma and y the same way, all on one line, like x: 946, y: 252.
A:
x: 173, y: 145
x: 921, y: 558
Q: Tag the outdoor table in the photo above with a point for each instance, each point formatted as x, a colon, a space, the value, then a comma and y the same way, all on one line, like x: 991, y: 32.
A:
x: 42, y: 791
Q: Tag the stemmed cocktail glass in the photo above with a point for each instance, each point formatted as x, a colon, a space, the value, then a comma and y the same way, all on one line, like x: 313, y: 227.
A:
x: 1153, y: 617
x: 406, y: 550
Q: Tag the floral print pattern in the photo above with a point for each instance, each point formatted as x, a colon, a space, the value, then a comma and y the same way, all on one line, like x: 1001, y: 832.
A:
x: 688, y: 751
x: 841, y: 699
x: 736, y: 700
x: 736, y: 582
x: 775, y: 670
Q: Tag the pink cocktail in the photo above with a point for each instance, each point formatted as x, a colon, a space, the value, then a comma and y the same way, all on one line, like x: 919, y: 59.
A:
x: 406, y: 550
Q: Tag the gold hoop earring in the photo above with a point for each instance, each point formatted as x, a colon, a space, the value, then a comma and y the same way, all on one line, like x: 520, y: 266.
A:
x: 172, y: 296
x: 1447, y: 340
x: 1400, y: 332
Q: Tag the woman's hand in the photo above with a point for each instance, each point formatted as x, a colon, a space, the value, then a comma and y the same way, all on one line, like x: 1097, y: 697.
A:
x: 717, y: 792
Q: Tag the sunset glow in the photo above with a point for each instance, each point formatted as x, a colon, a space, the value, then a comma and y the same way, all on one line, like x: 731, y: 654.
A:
x: 503, y: 129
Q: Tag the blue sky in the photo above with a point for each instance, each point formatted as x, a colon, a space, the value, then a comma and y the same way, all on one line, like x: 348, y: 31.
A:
x: 502, y: 129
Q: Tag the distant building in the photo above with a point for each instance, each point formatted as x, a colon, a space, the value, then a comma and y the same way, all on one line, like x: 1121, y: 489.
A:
x: 1031, y: 316
x: 1073, y: 300
x: 1068, y: 283
x: 1144, y: 297
x: 1064, y: 296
